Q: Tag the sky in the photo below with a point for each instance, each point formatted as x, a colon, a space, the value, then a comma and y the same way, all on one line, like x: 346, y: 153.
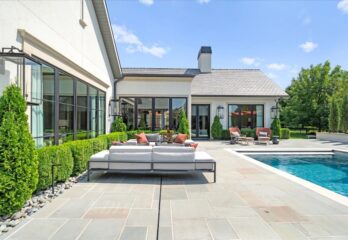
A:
x: 277, y: 36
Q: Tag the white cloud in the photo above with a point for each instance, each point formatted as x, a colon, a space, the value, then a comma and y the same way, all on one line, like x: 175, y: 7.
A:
x: 308, y: 46
x: 123, y: 35
x: 343, y: 6
x: 250, y: 61
x: 147, y: 2
x: 203, y: 1
x: 276, y: 66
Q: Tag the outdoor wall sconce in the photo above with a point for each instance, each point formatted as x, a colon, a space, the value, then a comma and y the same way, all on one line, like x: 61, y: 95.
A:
x: 113, y: 107
x: 274, y: 112
x: 220, y: 111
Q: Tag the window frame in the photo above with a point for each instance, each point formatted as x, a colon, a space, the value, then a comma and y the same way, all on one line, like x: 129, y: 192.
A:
x: 239, y: 121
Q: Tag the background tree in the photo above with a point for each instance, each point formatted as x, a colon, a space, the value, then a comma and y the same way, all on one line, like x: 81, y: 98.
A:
x: 118, y: 125
x: 309, y: 94
x: 216, y: 128
x: 183, y: 123
x: 18, y: 157
x: 344, y: 113
x: 334, y: 116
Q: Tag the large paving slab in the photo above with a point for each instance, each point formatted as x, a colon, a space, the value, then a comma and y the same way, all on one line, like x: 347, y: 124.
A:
x: 246, y: 202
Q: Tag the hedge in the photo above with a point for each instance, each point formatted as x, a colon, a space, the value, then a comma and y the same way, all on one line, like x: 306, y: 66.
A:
x: 58, y: 155
x: 73, y: 156
x: 285, y: 133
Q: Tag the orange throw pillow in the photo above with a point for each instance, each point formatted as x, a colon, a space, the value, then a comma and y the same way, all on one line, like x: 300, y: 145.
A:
x: 180, y: 138
x: 141, y: 138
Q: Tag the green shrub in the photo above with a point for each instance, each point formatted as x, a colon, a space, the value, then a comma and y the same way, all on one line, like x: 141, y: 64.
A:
x: 116, y: 136
x: 216, y: 128
x: 183, y: 124
x: 97, y: 144
x: 298, y: 134
x: 334, y: 116
x: 18, y: 156
x: 276, y: 127
x: 344, y: 113
x: 118, y: 125
x: 59, y: 155
x: 81, y: 152
x: 284, y: 133
x: 225, y: 135
x: 248, y: 132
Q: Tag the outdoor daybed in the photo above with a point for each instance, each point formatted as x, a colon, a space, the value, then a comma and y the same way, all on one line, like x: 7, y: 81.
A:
x: 152, y: 159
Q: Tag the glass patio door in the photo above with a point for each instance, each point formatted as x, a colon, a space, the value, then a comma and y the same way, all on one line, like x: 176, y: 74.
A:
x: 200, y: 120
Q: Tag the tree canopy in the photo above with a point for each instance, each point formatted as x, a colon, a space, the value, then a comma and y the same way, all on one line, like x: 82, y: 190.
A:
x: 310, y: 95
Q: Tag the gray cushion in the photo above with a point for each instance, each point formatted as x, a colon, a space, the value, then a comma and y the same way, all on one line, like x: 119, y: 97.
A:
x: 153, y: 137
x: 130, y: 149
x: 263, y: 134
x: 173, y: 156
x: 173, y: 149
x: 131, y: 156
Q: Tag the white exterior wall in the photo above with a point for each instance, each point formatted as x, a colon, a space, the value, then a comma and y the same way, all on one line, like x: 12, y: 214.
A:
x: 154, y: 87
x: 56, y: 24
x: 225, y: 101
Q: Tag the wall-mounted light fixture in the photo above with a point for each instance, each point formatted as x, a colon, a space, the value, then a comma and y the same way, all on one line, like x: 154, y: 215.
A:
x: 274, y: 112
x: 113, y: 107
x: 220, y: 111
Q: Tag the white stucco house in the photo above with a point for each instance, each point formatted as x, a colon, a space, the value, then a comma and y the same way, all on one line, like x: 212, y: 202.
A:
x: 63, y: 56
x: 242, y: 98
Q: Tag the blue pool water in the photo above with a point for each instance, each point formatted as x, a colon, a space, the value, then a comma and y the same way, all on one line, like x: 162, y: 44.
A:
x: 328, y: 171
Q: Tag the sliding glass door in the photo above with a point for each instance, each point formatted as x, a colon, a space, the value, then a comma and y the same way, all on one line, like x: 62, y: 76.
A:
x: 200, y: 121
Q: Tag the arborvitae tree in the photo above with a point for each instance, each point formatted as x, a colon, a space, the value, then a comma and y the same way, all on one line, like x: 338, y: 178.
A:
x: 183, y: 124
x: 276, y: 127
x: 18, y: 157
x: 118, y: 125
x: 334, y: 116
x: 344, y: 113
x: 216, y: 128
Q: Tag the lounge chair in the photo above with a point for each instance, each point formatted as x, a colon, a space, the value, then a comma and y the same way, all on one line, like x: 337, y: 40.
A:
x: 152, y: 159
x: 263, y: 135
x: 235, y: 135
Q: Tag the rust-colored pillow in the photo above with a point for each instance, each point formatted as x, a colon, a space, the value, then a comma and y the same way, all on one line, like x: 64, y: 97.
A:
x: 194, y: 145
x: 141, y: 138
x: 180, y: 138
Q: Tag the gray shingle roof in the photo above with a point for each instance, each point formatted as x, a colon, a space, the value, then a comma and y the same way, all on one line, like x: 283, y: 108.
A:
x: 235, y: 82
x: 220, y: 82
x: 185, y: 72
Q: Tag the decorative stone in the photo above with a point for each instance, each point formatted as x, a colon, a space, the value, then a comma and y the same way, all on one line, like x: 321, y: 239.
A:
x: 17, y: 215
x: 2, y: 227
x: 13, y: 223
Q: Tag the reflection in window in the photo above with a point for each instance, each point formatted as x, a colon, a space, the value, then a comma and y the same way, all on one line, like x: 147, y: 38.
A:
x: 178, y: 104
x: 245, y: 116
x: 127, y: 106
x: 101, y: 116
x: 144, y: 120
x: 162, y: 113
x: 93, y: 94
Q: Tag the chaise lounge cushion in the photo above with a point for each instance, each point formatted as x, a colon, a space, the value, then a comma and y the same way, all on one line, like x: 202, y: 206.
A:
x: 96, y: 160
x: 184, y: 155
x: 203, y: 161
x: 131, y: 153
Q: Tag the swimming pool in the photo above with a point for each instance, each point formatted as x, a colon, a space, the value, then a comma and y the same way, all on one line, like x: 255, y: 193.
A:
x: 327, y: 170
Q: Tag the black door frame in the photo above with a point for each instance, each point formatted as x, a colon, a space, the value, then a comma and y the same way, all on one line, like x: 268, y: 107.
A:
x: 196, y: 134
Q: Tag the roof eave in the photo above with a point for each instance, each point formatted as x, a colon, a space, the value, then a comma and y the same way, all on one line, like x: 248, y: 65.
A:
x: 101, y: 12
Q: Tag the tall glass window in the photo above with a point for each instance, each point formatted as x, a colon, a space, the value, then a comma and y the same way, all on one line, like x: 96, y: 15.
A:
x: 93, y: 95
x: 82, y: 110
x: 127, y: 106
x: 245, y: 116
x: 144, y: 106
x: 66, y: 108
x: 178, y: 105
x: 101, y: 113
x: 161, y: 113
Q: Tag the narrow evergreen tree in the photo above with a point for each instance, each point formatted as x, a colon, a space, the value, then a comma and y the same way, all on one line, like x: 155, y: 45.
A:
x: 183, y: 124
x: 344, y: 113
x: 118, y: 125
x: 276, y: 127
x: 18, y: 157
x: 334, y: 116
x: 216, y: 128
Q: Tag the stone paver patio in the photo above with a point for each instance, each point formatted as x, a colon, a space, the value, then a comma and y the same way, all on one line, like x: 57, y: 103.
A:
x: 247, y: 202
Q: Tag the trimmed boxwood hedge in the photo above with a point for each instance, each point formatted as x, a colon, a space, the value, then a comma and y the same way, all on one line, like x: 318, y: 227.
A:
x: 73, y: 157
x: 58, y: 155
x: 285, y: 133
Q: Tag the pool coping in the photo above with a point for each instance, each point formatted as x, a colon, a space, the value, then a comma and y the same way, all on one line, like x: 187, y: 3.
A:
x: 307, y: 184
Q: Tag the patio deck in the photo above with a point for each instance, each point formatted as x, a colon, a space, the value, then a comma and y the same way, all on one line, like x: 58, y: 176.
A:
x: 247, y: 202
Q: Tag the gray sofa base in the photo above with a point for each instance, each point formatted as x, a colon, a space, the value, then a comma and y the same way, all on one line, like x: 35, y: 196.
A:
x: 152, y: 170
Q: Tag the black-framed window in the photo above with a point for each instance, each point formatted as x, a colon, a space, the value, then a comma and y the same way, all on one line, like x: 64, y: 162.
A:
x: 152, y: 113
x: 246, y: 115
